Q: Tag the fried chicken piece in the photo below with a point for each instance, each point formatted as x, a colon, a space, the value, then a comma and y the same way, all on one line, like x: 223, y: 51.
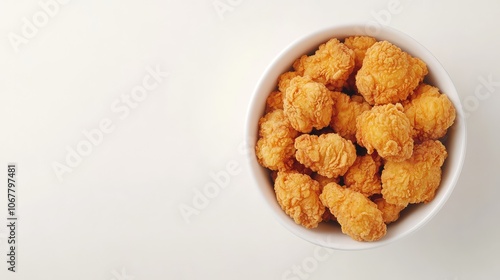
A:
x: 390, y: 212
x: 430, y: 112
x: 323, y: 180
x: 359, y: 44
x: 284, y: 80
x: 330, y: 65
x: 275, y: 147
x: 307, y: 104
x: 298, y: 196
x: 414, y: 180
x: 329, y: 154
x: 386, y: 129
x: 364, y: 175
x: 299, y: 65
x: 388, y: 74
x: 357, y: 215
x: 274, y: 101
x: 345, y: 111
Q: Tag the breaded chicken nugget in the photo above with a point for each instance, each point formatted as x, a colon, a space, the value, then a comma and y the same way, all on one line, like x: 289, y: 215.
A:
x: 298, y: 196
x: 329, y: 154
x: 330, y: 65
x: 345, y: 112
x: 323, y: 180
x: 387, y: 130
x: 359, y: 44
x: 414, y: 180
x: 275, y: 147
x: 274, y: 101
x: 357, y: 215
x: 390, y: 212
x: 364, y: 175
x: 307, y: 104
x: 430, y: 113
x: 388, y: 74
x: 284, y: 80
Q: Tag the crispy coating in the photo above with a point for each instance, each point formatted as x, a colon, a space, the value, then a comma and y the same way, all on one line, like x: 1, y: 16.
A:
x: 430, y: 113
x: 299, y: 65
x: 284, y: 80
x: 390, y: 212
x: 323, y: 180
x: 414, y: 180
x: 357, y: 215
x: 307, y: 104
x: 345, y: 112
x: 388, y: 74
x: 274, y: 101
x: 330, y: 65
x: 275, y: 147
x: 298, y: 196
x: 328, y: 154
x: 386, y: 129
x: 364, y: 175
x: 359, y: 44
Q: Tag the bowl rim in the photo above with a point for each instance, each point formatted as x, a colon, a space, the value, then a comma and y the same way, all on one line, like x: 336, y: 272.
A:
x: 310, y: 42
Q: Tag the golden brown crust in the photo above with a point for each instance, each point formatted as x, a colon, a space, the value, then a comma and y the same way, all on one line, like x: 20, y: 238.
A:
x: 298, y: 196
x: 274, y: 101
x: 364, y: 175
x: 416, y: 179
x: 330, y: 65
x: 359, y: 44
x: 387, y: 130
x: 307, y: 104
x: 390, y: 212
x: 275, y: 147
x: 345, y: 111
x: 327, y: 154
x: 430, y: 113
x: 388, y: 74
x: 284, y: 80
x: 357, y: 215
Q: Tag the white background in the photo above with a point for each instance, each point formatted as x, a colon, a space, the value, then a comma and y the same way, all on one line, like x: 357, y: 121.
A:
x: 116, y: 215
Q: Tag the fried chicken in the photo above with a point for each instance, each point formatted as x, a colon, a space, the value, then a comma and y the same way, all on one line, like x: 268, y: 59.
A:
x: 274, y: 101
x: 359, y: 44
x: 298, y: 196
x: 388, y: 74
x: 275, y: 147
x: 307, y: 104
x: 386, y: 129
x: 390, y: 212
x: 357, y: 215
x: 284, y: 80
x: 416, y: 179
x: 364, y: 175
x: 345, y: 111
x: 329, y: 154
x: 430, y: 113
x: 330, y: 65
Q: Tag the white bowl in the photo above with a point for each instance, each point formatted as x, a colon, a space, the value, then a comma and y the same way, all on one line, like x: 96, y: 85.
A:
x: 416, y: 216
